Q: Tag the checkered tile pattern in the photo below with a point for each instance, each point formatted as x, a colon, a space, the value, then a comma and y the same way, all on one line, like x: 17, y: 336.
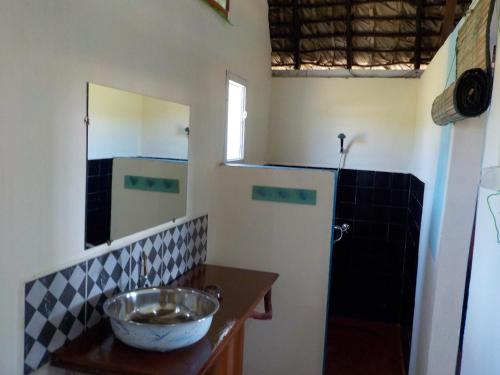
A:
x: 60, y: 306
x: 174, y: 253
x: 135, y: 265
x: 153, y: 248
x: 197, y: 241
x: 107, y: 275
x: 54, y: 314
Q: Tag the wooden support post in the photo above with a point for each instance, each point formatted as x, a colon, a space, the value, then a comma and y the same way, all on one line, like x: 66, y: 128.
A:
x: 348, y: 5
x: 296, y: 35
x: 448, y: 19
x: 418, y: 37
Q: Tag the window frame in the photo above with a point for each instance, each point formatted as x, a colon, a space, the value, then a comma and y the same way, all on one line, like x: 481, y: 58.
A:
x: 241, y: 81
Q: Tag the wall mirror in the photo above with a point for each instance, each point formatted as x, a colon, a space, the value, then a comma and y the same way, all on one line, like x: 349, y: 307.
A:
x: 137, y: 161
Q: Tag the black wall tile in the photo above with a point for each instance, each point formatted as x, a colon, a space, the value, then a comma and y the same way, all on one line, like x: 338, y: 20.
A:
x: 397, y: 233
x: 410, y: 265
x: 383, y: 180
x: 93, y: 184
x: 380, y: 231
x: 382, y: 196
x: 364, y: 196
x: 375, y: 264
x: 400, y: 181
x: 398, y: 215
x: 93, y: 167
x: 364, y: 212
x: 365, y: 178
x: 98, y: 217
x: 106, y: 167
x: 347, y: 194
x: 399, y: 198
x: 347, y: 177
x: 381, y: 214
x: 345, y: 211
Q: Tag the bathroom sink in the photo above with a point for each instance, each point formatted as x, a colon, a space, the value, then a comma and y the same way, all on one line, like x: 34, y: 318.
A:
x: 161, y: 319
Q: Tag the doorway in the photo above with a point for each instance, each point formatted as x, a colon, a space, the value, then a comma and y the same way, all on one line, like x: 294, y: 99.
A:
x: 373, y: 273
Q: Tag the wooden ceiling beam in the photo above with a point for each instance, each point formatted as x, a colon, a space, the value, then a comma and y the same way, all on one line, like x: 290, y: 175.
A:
x: 418, y: 37
x: 361, y: 18
x: 354, y: 2
x: 396, y: 62
x: 357, y: 34
x: 349, y: 55
x: 356, y: 49
x: 448, y: 19
x: 296, y: 35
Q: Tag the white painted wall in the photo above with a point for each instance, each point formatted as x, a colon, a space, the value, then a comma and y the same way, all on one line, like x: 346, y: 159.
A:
x: 177, y: 50
x: 446, y: 232
x: 116, y: 123
x: 492, y: 140
x: 163, y: 129
x: 126, y: 124
x: 427, y: 141
x: 482, y: 330
x: 135, y: 210
x: 377, y: 115
x: 454, y: 242
x: 292, y: 240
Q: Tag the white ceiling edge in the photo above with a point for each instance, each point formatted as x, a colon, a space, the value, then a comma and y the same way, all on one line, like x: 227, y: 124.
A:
x: 345, y: 73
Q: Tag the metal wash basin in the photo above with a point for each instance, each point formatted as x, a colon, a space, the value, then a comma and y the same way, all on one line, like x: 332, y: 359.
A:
x: 161, y: 319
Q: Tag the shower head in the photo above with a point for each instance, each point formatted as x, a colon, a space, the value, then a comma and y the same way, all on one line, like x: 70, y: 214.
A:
x: 341, y: 136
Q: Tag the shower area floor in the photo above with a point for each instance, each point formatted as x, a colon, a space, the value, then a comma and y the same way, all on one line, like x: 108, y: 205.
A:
x: 358, y: 347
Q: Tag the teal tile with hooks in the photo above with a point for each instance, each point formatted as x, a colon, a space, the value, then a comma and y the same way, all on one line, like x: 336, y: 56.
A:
x: 159, y: 185
x: 284, y: 195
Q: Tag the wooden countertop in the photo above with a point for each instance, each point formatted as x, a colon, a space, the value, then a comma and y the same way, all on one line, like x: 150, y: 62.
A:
x: 98, y: 351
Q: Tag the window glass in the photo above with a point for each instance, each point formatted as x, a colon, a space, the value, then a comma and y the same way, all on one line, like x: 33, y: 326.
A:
x: 236, y: 116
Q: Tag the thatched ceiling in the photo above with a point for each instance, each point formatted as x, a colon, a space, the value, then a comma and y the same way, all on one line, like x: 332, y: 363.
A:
x: 360, y: 34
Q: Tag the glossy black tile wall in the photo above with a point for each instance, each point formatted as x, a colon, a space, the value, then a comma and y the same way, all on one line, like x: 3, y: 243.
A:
x: 98, y: 219
x: 373, y: 272
x: 414, y: 218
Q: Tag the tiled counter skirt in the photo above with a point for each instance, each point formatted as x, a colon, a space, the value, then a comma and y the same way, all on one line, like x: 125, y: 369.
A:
x: 60, y: 306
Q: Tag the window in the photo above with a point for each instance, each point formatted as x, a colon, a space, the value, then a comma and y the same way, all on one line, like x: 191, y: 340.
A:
x: 236, y: 117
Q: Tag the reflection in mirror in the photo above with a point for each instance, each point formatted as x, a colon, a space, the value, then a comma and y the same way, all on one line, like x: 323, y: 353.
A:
x: 137, y: 163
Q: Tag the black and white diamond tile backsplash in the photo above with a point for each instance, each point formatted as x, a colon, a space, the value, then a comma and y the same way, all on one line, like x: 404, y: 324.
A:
x: 152, y: 247
x: 197, y: 242
x: 135, y: 265
x: 54, y: 314
x: 107, y: 275
x: 174, y: 253
x: 60, y: 306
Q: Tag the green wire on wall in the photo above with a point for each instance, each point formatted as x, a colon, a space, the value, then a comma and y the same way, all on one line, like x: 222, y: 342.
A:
x: 490, y: 207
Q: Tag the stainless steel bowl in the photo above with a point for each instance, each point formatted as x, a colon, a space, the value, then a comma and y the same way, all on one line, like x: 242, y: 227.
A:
x: 161, y: 319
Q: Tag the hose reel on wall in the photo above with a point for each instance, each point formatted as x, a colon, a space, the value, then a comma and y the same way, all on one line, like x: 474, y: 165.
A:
x: 470, y: 94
